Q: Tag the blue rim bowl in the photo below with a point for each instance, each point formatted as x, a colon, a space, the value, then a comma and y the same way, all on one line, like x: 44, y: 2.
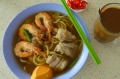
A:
x: 18, y: 19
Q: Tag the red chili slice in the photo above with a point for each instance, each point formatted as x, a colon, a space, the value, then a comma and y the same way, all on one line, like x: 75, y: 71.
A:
x: 77, y: 4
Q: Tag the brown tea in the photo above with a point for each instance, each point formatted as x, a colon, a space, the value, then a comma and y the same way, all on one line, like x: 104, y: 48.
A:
x: 107, y: 25
x: 110, y: 19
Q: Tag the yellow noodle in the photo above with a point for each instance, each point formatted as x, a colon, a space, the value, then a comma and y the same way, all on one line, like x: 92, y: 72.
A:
x: 57, y: 21
x: 63, y: 25
x: 22, y: 60
x: 54, y: 40
x: 37, y: 60
x: 24, y: 68
x: 37, y: 63
x: 47, y: 49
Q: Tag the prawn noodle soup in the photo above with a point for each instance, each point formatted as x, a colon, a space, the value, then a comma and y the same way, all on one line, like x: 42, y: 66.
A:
x: 47, y: 38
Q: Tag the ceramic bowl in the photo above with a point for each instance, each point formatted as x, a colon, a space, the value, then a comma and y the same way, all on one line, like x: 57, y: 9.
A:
x: 13, y: 26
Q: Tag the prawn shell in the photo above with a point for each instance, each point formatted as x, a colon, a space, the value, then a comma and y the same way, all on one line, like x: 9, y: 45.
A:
x: 33, y: 30
x: 47, y: 21
x: 25, y: 49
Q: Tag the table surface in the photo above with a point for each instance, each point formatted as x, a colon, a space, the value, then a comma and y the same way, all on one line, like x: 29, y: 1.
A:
x: 109, y: 53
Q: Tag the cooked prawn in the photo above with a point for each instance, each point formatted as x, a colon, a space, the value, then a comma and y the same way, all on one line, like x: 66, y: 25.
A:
x: 47, y: 22
x: 32, y: 30
x: 25, y: 49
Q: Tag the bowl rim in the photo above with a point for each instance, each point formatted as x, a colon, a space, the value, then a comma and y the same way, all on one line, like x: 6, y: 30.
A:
x: 83, y: 56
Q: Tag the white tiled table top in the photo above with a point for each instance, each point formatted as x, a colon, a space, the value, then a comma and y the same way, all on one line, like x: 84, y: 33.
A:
x: 109, y: 53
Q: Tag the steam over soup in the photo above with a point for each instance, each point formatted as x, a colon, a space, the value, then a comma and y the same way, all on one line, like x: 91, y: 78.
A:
x: 47, y: 38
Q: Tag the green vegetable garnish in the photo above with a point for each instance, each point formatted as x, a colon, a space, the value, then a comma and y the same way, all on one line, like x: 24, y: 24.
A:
x: 81, y: 33
x: 27, y: 34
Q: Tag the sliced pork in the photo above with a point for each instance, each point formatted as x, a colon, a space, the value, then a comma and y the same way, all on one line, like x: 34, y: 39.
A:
x: 68, y: 49
x: 64, y: 35
x: 58, y: 63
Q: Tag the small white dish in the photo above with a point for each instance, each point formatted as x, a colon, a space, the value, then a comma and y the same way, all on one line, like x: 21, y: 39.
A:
x: 78, y: 11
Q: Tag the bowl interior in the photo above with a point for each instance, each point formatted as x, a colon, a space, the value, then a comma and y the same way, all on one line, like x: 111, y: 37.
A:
x: 17, y: 20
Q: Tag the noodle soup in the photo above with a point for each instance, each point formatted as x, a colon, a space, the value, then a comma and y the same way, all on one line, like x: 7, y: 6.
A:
x: 47, y: 38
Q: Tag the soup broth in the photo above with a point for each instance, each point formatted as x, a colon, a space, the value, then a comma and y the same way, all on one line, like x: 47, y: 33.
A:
x: 49, y: 45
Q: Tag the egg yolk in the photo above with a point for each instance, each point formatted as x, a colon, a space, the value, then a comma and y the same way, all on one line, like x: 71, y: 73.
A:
x: 42, y: 72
